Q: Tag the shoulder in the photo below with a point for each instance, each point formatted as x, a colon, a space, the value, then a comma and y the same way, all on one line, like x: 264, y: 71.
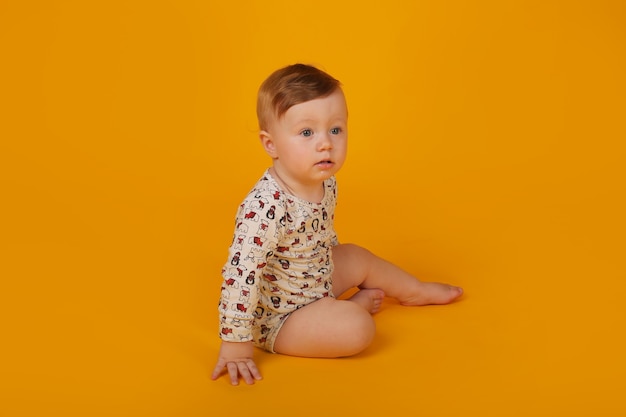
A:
x: 266, y: 190
x: 265, y: 197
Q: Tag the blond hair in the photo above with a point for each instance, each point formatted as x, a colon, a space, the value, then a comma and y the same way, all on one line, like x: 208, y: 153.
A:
x: 289, y: 86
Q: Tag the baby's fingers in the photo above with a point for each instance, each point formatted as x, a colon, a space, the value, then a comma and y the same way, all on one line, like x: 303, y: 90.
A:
x: 248, y: 371
x: 245, y: 373
x: 254, y: 370
x: 246, y: 368
x: 233, y: 373
x: 217, y: 371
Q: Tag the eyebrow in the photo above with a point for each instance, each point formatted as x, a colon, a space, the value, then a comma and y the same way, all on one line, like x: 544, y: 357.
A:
x: 335, y: 120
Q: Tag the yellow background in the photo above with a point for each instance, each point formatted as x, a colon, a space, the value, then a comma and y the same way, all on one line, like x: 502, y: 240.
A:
x: 486, y: 150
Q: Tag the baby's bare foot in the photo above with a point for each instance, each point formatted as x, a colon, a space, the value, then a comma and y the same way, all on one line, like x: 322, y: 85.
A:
x: 432, y: 293
x: 370, y: 299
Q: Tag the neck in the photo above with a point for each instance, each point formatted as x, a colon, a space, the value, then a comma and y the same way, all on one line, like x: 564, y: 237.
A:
x: 314, y: 194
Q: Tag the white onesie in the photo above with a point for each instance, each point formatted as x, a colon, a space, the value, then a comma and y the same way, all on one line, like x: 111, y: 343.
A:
x: 280, y: 260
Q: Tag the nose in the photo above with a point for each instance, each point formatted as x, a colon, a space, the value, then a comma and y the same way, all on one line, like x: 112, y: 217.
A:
x: 325, y: 142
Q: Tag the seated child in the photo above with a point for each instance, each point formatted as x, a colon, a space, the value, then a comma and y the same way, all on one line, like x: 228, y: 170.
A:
x: 285, y: 266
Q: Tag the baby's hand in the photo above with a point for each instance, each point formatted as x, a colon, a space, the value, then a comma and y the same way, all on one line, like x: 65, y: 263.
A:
x: 236, y: 357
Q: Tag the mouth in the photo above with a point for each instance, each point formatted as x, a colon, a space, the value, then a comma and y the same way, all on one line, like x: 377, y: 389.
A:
x: 325, y: 164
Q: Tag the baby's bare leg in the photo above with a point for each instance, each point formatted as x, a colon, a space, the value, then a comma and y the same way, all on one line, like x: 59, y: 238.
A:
x: 358, y: 267
x: 326, y: 328
x: 331, y: 328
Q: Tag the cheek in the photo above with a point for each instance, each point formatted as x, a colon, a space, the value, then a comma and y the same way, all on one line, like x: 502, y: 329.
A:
x: 343, y: 145
x: 294, y: 153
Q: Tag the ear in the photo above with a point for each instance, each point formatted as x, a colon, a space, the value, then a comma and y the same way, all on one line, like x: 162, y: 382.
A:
x: 268, y: 144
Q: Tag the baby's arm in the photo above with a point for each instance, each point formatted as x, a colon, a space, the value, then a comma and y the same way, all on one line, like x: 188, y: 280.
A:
x: 236, y: 357
x: 254, y: 239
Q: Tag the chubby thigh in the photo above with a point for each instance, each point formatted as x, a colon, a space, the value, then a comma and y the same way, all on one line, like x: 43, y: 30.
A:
x: 326, y: 328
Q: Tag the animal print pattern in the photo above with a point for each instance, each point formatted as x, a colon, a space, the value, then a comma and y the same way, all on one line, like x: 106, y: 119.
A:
x: 279, y: 260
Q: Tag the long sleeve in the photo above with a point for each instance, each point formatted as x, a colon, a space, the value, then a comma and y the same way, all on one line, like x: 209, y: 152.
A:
x: 255, y: 240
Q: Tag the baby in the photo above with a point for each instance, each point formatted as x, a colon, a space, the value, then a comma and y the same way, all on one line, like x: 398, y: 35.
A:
x: 286, y: 266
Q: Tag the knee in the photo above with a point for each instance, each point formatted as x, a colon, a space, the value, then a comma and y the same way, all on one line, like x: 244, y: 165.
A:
x: 354, y: 249
x: 360, y: 333
x: 355, y: 255
x: 366, y: 331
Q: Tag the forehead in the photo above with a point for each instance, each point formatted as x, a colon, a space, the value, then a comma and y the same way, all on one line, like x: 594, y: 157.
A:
x: 332, y: 106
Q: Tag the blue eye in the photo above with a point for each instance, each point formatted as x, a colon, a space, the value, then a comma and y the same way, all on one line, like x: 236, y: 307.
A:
x: 335, y: 130
x: 306, y: 132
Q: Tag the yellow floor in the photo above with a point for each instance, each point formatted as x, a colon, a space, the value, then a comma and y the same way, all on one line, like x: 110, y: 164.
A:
x: 104, y: 340
x: 486, y: 150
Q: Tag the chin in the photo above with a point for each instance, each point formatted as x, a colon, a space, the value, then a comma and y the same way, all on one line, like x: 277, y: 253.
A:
x: 327, y: 174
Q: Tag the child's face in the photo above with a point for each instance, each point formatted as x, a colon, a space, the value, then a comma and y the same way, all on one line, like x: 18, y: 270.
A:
x: 309, y: 142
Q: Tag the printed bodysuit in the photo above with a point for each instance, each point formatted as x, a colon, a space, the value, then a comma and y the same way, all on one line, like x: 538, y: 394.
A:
x: 279, y: 261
